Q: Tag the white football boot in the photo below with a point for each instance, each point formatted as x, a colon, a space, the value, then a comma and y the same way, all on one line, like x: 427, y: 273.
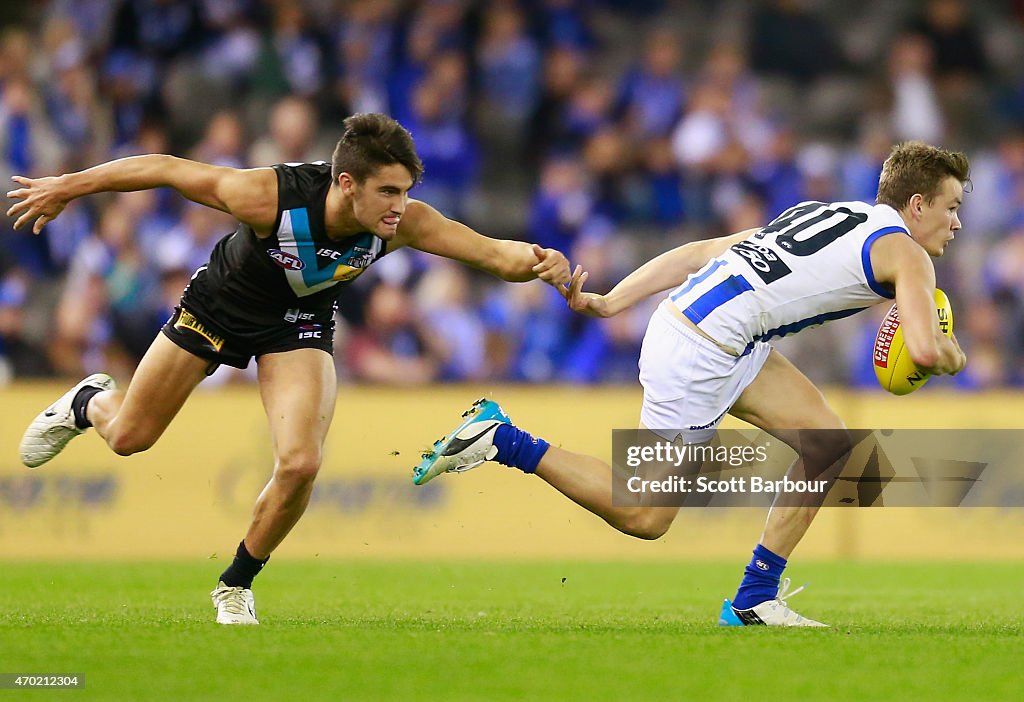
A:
x: 235, y: 605
x: 769, y: 613
x: 54, y: 427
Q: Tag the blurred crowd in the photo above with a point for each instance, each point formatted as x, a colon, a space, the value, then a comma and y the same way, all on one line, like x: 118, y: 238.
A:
x: 610, y: 129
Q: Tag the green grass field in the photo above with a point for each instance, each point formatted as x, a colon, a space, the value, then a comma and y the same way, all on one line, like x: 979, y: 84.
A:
x: 509, y: 631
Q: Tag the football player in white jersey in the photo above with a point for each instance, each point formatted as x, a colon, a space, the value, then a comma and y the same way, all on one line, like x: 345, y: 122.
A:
x: 706, y: 352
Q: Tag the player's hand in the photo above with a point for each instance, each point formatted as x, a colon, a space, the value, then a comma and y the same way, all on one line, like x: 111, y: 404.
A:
x: 951, y: 360
x: 960, y: 351
x: 39, y: 199
x: 590, y: 304
x: 552, y: 266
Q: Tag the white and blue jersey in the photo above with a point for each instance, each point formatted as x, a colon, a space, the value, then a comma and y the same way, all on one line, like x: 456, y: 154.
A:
x: 810, y: 265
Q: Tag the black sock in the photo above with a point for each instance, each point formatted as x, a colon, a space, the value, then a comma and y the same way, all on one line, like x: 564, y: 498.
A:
x: 78, y: 405
x: 243, y: 569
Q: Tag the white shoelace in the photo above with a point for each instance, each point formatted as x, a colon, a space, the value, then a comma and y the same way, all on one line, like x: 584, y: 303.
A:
x: 232, y: 599
x: 784, y: 592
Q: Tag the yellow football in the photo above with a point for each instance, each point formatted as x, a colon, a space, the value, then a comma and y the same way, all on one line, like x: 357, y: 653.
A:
x: 893, y: 367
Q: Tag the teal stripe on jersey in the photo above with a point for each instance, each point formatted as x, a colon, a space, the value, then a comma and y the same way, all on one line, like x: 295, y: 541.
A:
x: 312, y: 274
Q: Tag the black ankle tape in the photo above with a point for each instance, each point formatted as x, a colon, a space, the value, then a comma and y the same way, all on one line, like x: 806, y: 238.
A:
x: 243, y: 569
x: 79, y: 404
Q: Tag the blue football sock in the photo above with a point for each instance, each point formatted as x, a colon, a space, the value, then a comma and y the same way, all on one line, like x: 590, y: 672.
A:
x: 760, y: 579
x: 517, y: 449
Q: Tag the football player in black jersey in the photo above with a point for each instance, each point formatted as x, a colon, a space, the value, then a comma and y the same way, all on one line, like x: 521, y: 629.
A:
x: 268, y: 292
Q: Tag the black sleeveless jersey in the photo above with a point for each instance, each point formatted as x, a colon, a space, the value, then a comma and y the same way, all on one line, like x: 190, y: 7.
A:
x: 297, y: 266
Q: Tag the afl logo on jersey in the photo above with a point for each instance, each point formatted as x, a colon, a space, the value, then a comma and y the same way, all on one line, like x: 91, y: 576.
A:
x: 286, y: 260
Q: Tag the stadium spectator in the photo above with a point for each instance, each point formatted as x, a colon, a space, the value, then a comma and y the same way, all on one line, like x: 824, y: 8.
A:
x: 589, y: 109
x: 293, y: 57
x: 954, y: 39
x: 916, y: 112
x: 448, y: 149
x: 788, y: 39
x: 223, y: 143
x: 444, y: 301
x: 107, y: 282
x: 657, y: 194
x: 547, y: 128
x: 564, y: 205
x: 292, y: 136
x: 509, y: 64
x: 394, y: 347
x: 651, y: 96
x: 14, y: 285
x: 528, y: 333
x: 364, y: 44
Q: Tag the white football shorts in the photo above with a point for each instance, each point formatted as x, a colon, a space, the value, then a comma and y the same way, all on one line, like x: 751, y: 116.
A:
x: 689, y: 382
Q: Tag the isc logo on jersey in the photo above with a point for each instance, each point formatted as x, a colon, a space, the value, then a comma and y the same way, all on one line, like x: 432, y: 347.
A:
x: 310, y: 331
x: 894, y: 369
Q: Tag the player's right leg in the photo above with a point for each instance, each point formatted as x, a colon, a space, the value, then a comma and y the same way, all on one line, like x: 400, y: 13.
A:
x: 592, y: 484
x: 487, y: 433
x: 129, y: 420
x: 299, y: 390
x: 688, y: 383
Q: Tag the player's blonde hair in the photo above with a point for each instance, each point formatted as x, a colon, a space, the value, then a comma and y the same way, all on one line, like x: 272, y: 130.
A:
x: 915, y: 167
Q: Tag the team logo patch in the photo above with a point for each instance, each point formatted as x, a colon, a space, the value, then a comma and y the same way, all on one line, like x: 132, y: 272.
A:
x: 187, y: 320
x: 345, y: 273
x: 286, y: 260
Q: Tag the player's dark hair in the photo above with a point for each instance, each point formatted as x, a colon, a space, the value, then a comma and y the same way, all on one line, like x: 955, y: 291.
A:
x: 372, y: 140
x: 915, y: 167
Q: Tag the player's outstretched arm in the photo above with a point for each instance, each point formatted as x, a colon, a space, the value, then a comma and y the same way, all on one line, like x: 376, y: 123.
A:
x: 424, y: 228
x: 250, y: 195
x: 900, y: 262
x: 661, y: 273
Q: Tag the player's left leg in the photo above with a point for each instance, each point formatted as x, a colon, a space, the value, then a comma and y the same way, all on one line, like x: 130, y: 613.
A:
x: 298, y: 389
x: 783, y: 402
x: 128, y: 420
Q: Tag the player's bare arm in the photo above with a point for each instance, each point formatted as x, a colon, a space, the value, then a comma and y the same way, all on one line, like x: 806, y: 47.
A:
x: 902, y: 264
x: 249, y: 195
x: 424, y: 228
x: 664, y: 272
